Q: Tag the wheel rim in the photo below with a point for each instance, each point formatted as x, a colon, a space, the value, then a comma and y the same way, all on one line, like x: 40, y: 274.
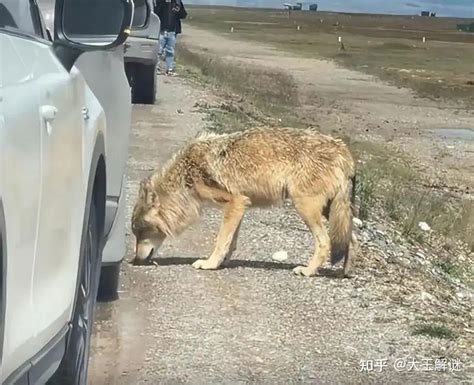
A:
x: 81, y: 327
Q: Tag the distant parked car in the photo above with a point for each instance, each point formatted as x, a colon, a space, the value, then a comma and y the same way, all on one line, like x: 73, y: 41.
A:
x: 141, y: 53
x: 65, y: 116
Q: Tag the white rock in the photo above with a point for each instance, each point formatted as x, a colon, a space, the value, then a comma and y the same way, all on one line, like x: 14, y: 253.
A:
x: 424, y: 226
x: 357, y: 222
x: 427, y: 297
x: 280, y: 256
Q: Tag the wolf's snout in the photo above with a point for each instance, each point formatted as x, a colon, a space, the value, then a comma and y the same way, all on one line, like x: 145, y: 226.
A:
x: 143, y: 261
x: 143, y: 253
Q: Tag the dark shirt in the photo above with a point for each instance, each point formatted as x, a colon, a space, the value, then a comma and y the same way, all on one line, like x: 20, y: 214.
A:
x: 170, y: 13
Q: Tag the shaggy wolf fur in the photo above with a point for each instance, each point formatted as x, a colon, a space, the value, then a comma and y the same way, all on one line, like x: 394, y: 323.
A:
x: 257, y: 167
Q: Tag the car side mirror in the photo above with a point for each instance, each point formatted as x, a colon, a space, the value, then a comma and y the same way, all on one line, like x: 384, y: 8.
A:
x: 89, y: 25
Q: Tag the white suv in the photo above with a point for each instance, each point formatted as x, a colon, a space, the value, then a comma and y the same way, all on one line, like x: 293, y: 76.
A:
x: 65, y: 114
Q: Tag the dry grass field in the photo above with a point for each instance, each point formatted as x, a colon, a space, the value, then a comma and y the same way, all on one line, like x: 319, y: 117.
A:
x: 390, y: 47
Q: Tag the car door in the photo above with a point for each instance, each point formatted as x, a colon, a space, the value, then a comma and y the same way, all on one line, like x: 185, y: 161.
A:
x: 43, y: 263
x: 20, y: 189
x: 62, y: 104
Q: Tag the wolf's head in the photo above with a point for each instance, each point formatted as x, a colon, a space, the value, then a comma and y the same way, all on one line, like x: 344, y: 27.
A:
x: 146, y: 223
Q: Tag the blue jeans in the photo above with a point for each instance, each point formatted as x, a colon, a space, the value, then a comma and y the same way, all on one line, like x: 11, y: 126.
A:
x: 167, y: 45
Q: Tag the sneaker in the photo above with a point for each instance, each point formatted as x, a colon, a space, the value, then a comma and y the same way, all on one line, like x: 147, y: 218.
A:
x: 170, y: 73
x: 160, y: 69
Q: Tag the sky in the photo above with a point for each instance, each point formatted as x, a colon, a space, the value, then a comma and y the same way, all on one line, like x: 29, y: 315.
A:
x: 455, y: 8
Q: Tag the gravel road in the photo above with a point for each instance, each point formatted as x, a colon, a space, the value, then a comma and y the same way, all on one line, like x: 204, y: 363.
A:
x: 254, y: 322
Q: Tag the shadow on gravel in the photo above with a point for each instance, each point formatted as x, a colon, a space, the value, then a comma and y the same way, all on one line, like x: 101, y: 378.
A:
x: 235, y: 263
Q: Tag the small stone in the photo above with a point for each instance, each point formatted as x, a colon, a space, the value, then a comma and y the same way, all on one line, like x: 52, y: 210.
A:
x: 357, y: 222
x: 426, y: 297
x: 380, y: 233
x: 424, y: 226
x: 280, y: 256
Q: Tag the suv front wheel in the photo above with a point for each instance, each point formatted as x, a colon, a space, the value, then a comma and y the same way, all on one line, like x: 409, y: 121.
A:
x: 74, y: 365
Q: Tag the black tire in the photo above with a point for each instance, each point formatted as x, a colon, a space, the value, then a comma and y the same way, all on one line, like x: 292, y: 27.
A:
x: 109, y: 283
x: 144, y: 84
x: 74, y: 365
x: 130, y: 69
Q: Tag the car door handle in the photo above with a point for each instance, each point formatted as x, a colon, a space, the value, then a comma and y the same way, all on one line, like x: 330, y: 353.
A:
x: 48, y: 113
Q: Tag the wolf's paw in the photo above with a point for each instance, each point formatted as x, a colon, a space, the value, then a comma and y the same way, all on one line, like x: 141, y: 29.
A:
x: 204, y: 264
x: 345, y: 274
x: 304, y: 270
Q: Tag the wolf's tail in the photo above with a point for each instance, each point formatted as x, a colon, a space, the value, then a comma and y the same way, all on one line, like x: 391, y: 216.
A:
x: 340, y: 222
x: 353, y: 190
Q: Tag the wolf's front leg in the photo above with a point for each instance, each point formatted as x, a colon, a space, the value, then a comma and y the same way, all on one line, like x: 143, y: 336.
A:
x: 227, y: 237
x: 233, y: 245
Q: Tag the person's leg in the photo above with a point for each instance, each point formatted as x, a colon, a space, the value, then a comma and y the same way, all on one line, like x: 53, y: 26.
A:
x: 163, y: 41
x: 161, y: 52
x: 170, y: 51
x: 161, y: 45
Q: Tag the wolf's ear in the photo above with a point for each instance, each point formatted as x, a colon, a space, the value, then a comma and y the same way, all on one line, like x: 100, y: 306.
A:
x: 146, y: 193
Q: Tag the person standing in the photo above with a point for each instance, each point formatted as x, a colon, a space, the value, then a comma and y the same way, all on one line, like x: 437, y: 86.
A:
x: 170, y: 13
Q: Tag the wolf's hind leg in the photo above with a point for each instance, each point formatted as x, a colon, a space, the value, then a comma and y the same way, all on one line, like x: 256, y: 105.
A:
x: 227, y: 237
x: 349, y: 260
x: 310, y: 210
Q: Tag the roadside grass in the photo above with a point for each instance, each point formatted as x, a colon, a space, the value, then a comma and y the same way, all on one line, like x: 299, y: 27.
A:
x: 388, y: 183
x: 389, y: 47
x: 450, y: 268
x: 271, y: 91
x: 386, y: 178
x: 227, y: 121
x: 367, y: 191
x: 433, y: 330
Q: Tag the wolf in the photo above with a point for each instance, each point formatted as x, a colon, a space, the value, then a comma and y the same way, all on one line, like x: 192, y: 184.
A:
x: 259, y: 167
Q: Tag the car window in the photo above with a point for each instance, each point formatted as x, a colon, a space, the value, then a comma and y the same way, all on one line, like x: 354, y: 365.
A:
x: 140, y: 13
x: 105, y: 20
x: 20, y: 15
